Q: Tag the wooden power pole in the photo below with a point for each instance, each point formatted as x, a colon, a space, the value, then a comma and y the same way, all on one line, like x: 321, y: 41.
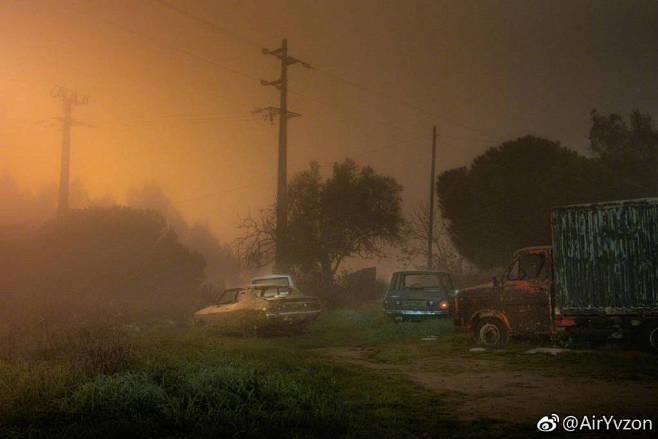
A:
x: 69, y: 99
x: 430, y: 229
x: 284, y: 115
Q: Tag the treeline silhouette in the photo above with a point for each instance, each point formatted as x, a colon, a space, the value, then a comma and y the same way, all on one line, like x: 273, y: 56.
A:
x: 502, y: 201
x: 103, y: 261
x: 113, y: 263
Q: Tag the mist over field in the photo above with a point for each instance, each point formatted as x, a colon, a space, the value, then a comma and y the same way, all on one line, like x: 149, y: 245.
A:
x: 403, y: 219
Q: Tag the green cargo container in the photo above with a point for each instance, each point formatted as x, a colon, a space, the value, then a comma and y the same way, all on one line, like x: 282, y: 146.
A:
x: 605, y: 257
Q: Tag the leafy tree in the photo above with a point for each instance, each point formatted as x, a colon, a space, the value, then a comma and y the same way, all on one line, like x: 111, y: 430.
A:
x: 355, y: 212
x: 502, y: 202
x: 222, y: 265
x: 628, y: 152
x: 113, y: 262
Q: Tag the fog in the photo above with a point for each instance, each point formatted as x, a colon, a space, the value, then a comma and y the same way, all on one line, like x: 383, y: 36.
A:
x: 172, y: 86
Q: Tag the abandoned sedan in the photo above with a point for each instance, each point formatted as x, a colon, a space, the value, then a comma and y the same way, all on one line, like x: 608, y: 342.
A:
x: 415, y: 295
x: 247, y: 310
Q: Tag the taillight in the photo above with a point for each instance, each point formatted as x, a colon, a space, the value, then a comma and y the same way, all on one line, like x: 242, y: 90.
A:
x: 444, y: 305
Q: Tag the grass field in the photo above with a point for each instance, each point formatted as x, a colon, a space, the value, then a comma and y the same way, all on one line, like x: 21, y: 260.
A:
x: 180, y: 381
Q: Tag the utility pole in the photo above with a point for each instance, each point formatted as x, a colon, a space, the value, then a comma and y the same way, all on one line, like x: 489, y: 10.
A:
x: 430, y: 230
x: 69, y: 99
x: 284, y: 114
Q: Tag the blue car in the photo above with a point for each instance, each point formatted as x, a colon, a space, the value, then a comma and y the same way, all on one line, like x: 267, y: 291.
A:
x: 416, y: 295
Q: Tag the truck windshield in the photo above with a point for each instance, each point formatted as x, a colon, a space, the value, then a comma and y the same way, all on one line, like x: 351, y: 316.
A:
x: 427, y: 280
x: 528, y: 266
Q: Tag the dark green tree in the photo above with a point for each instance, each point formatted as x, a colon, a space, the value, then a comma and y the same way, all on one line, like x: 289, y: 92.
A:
x: 100, y: 262
x: 502, y: 202
x: 355, y: 212
x: 628, y: 153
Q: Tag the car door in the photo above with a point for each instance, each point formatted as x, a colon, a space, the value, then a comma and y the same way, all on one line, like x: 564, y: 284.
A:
x: 525, y: 294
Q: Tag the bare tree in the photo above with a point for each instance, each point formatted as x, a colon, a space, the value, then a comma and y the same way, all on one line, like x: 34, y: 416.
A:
x: 414, y: 248
x: 257, y: 242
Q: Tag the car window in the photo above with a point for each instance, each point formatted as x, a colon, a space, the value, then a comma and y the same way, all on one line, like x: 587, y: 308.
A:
x: 426, y: 280
x: 532, y: 265
x: 514, y: 273
x: 270, y: 292
x: 526, y: 267
x: 227, y: 297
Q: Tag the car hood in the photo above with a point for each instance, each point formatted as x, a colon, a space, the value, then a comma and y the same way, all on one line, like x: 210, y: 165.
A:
x: 487, y: 286
x: 475, y: 291
x: 209, y: 310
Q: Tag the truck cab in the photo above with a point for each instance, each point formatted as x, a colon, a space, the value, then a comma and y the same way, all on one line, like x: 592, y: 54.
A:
x: 520, y: 302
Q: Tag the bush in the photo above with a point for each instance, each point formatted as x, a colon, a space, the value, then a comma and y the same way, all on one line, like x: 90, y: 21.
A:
x: 99, y: 263
x: 198, y: 401
x: 348, y: 289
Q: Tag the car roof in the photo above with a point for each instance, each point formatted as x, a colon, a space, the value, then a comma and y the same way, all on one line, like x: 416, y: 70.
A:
x: 531, y: 249
x: 272, y: 276
x: 420, y: 272
x: 264, y: 286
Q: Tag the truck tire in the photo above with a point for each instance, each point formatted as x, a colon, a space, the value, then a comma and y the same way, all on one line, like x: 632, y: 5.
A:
x: 649, y: 334
x: 490, y: 333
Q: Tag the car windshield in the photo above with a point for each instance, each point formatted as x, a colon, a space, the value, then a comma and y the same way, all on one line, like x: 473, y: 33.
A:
x: 228, y: 297
x: 273, y: 292
x: 426, y: 280
x: 283, y: 281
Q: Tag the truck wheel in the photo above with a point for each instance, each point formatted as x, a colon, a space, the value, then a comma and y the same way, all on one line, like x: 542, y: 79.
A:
x: 650, y: 336
x: 490, y: 333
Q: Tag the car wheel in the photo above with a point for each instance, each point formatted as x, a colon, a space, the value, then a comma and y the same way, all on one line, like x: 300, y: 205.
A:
x: 490, y: 333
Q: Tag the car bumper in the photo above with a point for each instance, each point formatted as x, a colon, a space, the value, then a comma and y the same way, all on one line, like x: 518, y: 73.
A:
x: 415, y: 312
x: 292, y: 315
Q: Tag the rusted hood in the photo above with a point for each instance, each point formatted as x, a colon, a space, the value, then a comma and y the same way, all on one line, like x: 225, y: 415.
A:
x: 487, y: 286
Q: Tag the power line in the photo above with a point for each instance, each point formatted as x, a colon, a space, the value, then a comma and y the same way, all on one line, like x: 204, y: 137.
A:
x: 172, y: 48
x: 209, y: 24
x: 218, y: 29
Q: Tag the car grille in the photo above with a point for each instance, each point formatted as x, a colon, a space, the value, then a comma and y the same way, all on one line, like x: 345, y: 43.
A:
x: 415, y: 304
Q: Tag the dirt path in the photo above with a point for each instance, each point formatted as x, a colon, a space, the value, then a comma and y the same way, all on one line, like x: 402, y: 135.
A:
x: 479, y: 390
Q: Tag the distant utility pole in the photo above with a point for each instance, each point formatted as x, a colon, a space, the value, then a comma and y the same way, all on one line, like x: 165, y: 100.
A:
x: 69, y: 99
x: 430, y: 237
x: 284, y: 114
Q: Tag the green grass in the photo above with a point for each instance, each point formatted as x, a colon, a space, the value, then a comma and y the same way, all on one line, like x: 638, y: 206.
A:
x: 189, y: 382
x: 193, y: 382
x: 401, y: 343
x: 368, y: 326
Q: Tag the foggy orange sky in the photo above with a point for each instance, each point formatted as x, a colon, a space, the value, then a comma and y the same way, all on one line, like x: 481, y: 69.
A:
x: 171, y: 98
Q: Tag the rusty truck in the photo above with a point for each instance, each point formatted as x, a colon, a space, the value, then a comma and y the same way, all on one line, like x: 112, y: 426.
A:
x: 599, y: 276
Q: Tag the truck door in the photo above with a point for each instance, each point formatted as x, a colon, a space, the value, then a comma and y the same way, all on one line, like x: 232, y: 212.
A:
x: 525, y: 294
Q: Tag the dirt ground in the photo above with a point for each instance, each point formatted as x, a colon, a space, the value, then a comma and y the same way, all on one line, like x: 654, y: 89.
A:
x: 482, y: 389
